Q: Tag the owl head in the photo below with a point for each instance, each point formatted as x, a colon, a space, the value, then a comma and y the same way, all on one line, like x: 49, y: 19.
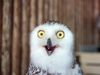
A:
x: 51, y: 47
x: 51, y: 37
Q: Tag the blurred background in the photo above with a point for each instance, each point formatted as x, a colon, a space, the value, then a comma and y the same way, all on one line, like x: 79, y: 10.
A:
x: 19, y: 17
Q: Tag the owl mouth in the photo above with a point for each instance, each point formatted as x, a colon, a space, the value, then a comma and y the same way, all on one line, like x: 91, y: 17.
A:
x: 50, y: 50
x: 49, y: 47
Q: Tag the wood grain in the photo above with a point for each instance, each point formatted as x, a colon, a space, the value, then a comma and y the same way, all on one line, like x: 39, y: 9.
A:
x: 46, y: 10
x: 16, y: 49
x: 6, y: 38
x: 32, y: 14
x: 25, y: 35
x: 40, y: 11
x: 1, y: 5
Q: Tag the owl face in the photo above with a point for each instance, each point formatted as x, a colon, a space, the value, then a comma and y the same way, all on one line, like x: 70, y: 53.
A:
x: 51, y: 37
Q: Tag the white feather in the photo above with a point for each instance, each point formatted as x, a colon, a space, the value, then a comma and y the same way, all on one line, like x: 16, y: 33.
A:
x: 62, y: 58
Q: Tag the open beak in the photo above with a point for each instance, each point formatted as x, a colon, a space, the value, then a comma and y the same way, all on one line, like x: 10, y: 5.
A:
x: 49, y: 47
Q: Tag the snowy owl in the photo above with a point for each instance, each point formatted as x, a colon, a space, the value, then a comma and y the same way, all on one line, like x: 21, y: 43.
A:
x: 51, y: 50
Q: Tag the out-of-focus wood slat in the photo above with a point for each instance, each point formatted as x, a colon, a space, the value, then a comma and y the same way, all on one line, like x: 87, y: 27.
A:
x: 90, y: 63
x: 51, y: 9
x: 40, y: 11
x: 94, y: 70
x: 46, y: 10
x: 6, y: 38
x: 55, y: 10
x: 16, y: 49
x: 32, y: 14
x: 1, y: 5
x: 25, y: 35
x: 90, y: 58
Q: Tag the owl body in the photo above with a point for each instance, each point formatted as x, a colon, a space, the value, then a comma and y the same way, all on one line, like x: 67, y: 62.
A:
x: 51, y: 50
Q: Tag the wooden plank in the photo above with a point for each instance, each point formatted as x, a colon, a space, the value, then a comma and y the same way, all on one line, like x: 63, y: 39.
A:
x: 96, y: 15
x: 1, y: 4
x: 84, y: 24
x: 79, y: 23
x: 16, y: 49
x: 40, y: 11
x: 25, y: 35
x: 46, y: 10
x: 59, y: 9
x: 6, y: 38
x: 51, y: 10
x: 90, y: 58
x: 53, y: 16
x: 69, y: 14
x: 55, y: 10
x: 32, y: 14
x: 90, y: 62
x: 61, y: 14
x: 89, y: 24
x: 65, y: 12
x: 91, y: 70
x: 96, y: 8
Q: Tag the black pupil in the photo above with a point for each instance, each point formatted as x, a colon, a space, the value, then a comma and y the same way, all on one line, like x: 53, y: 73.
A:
x: 60, y: 34
x: 41, y: 34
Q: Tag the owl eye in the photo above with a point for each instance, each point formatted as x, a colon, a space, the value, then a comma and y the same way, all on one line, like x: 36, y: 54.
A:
x: 60, y: 34
x: 41, y: 33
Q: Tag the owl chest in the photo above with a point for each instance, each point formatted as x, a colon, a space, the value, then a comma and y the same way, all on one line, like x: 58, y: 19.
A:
x: 33, y: 70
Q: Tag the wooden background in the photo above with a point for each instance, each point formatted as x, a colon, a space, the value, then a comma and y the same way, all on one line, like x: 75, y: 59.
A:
x: 18, y: 18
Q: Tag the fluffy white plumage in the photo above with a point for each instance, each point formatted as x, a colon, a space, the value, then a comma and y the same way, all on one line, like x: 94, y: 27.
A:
x: 60, y: 59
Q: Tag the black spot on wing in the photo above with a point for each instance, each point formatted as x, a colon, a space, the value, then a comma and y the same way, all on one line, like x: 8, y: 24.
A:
x: 80, y: 71
x: 33, y: 70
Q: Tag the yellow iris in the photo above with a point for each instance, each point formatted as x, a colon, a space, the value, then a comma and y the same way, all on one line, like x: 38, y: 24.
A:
x: 60, y: 34
x: 41, y: 33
